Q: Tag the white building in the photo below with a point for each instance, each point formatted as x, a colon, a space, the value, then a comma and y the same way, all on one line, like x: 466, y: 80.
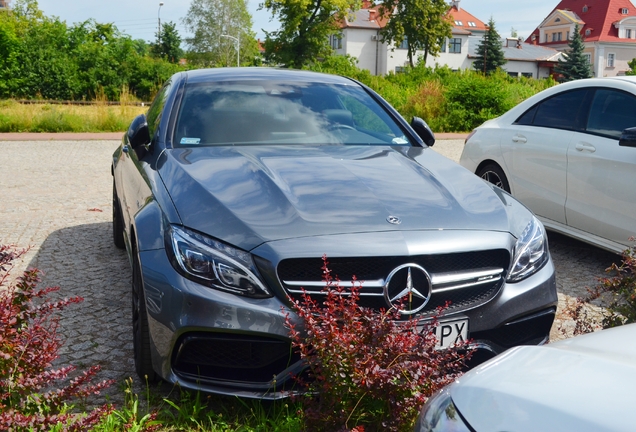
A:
x: 360, y: 38
x: 608, y: 28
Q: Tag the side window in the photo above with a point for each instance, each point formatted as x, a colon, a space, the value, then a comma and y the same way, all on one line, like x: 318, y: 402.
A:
x: 156, y: 108
x: 564, y: 111
x: 527, y: 118
x: 612, y: 112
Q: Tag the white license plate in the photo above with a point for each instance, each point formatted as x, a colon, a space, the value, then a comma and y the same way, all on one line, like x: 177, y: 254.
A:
x: 450, y: 333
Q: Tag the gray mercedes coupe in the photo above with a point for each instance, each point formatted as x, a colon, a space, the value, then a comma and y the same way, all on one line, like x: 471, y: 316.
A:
x: 237, y: 181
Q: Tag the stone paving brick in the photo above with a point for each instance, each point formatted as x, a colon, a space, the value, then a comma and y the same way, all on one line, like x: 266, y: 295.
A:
x: 56, y: 198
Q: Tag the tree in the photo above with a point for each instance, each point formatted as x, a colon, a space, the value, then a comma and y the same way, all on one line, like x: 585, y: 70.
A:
x: 490, y: 56
x: 216, y: 26
x: 631, y: 64
x: 305, y: 29
x: 421, y: 24
x: 575, y: 66
x: 168, y: 45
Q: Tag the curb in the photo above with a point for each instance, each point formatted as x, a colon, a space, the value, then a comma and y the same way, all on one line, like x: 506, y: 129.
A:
x: 61, y: 136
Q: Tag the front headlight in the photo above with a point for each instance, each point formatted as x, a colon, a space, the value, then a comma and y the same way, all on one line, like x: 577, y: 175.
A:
x: 440, y: 415
x: 530, y: 253
x: 214, y: 264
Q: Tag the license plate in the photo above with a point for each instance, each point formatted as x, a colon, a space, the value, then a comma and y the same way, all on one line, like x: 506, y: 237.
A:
x: 450, y: 333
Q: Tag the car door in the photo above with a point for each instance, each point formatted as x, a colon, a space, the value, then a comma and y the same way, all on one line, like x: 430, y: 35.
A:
x: 535, y: 148
x: 601, y: 179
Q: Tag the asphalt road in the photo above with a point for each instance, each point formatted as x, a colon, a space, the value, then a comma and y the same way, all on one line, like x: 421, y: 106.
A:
x: 56, y: 199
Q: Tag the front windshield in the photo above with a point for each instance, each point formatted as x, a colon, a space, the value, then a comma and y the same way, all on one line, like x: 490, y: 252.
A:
x: 273, y: 113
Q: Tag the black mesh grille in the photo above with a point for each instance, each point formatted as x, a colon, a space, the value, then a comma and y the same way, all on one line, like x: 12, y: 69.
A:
x: 232, y: 357
x: 378, y: 268
x: 529, y: 331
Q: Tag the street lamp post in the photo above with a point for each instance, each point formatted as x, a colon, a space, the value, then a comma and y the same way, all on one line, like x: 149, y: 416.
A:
x: 238, y: 47
x: 159, y: 21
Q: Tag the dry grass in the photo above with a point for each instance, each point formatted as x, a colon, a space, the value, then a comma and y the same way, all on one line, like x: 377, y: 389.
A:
x: 100, y: 117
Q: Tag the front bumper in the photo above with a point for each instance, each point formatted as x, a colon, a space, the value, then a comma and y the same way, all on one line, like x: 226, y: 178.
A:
x: 218, y: 342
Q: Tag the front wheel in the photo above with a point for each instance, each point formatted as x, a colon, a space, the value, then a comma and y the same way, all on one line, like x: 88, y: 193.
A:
x: 141, y: 333
x: 493, y: 173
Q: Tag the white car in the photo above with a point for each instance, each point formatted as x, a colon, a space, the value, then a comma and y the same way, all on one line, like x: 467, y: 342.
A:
x: 580, y: 384
x: 568, y: 154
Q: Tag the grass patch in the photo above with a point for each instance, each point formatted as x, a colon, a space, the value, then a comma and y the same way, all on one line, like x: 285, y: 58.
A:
x: 185, y: 410
x: 17, y: 117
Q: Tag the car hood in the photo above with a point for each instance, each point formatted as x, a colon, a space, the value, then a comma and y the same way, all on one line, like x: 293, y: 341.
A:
x: 248, y: 195
x: 585, y: 384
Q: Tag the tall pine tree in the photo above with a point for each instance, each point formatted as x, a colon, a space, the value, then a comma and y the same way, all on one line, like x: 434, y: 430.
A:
x: 575, y: 66
x: 490, y: 54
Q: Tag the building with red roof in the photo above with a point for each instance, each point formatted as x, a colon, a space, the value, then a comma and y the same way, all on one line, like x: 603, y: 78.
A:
x: 360, y: 38
x: 608, y: 28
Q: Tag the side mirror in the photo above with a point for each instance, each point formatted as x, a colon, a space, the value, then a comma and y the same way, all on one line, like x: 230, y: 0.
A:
x: 138, y: 133
x: 424, y: 132
x: 628, y: 138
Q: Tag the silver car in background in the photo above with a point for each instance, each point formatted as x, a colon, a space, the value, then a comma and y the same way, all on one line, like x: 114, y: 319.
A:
x: 569, y: 154
x: 581, y: 384
x: 229, y: 191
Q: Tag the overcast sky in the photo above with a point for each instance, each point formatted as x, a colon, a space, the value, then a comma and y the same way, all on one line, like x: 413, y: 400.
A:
x: 138, y: 18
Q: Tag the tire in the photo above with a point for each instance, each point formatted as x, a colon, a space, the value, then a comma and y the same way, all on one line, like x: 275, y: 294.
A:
x: 494, y: 174
x: 141, y: 333
x: 118, y: 222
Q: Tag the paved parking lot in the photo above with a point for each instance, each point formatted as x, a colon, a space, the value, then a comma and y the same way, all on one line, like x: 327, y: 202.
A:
x: 56, y: 198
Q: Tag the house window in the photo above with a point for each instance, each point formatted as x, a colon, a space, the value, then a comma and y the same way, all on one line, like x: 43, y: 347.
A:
x: 588, y: 57
x: 399, y: 69
x: 610, y: 60
x: 559, y: 35
x: 455, y: 45
x: 585, y: 9
x: 588, y: 32
x: 557, y: 20
x: 628, y: 33
x: 553, y: 37
x: 442, y: 46
x: 336, y: 42
x: 471, y: 24
x: 458, y: 23
x: 567, y: 35
x: 404, y: 44
x: 527, y: 74
x: 624, y: 11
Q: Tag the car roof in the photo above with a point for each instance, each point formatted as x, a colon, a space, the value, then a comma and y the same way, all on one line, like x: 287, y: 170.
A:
x: 622, y: 82
x: 263, y: 73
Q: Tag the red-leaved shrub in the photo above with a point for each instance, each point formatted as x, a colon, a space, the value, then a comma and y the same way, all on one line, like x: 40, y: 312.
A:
x: 28, y: 345
x: 367, y: 369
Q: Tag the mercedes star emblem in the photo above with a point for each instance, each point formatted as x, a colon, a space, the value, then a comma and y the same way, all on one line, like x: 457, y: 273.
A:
x: 394, y: 220
x: 408, y: 288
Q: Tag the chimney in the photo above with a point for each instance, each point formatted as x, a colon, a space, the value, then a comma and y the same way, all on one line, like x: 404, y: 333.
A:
x: 455, y: 4
x: 373, y: 14
x: 534, y: 39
